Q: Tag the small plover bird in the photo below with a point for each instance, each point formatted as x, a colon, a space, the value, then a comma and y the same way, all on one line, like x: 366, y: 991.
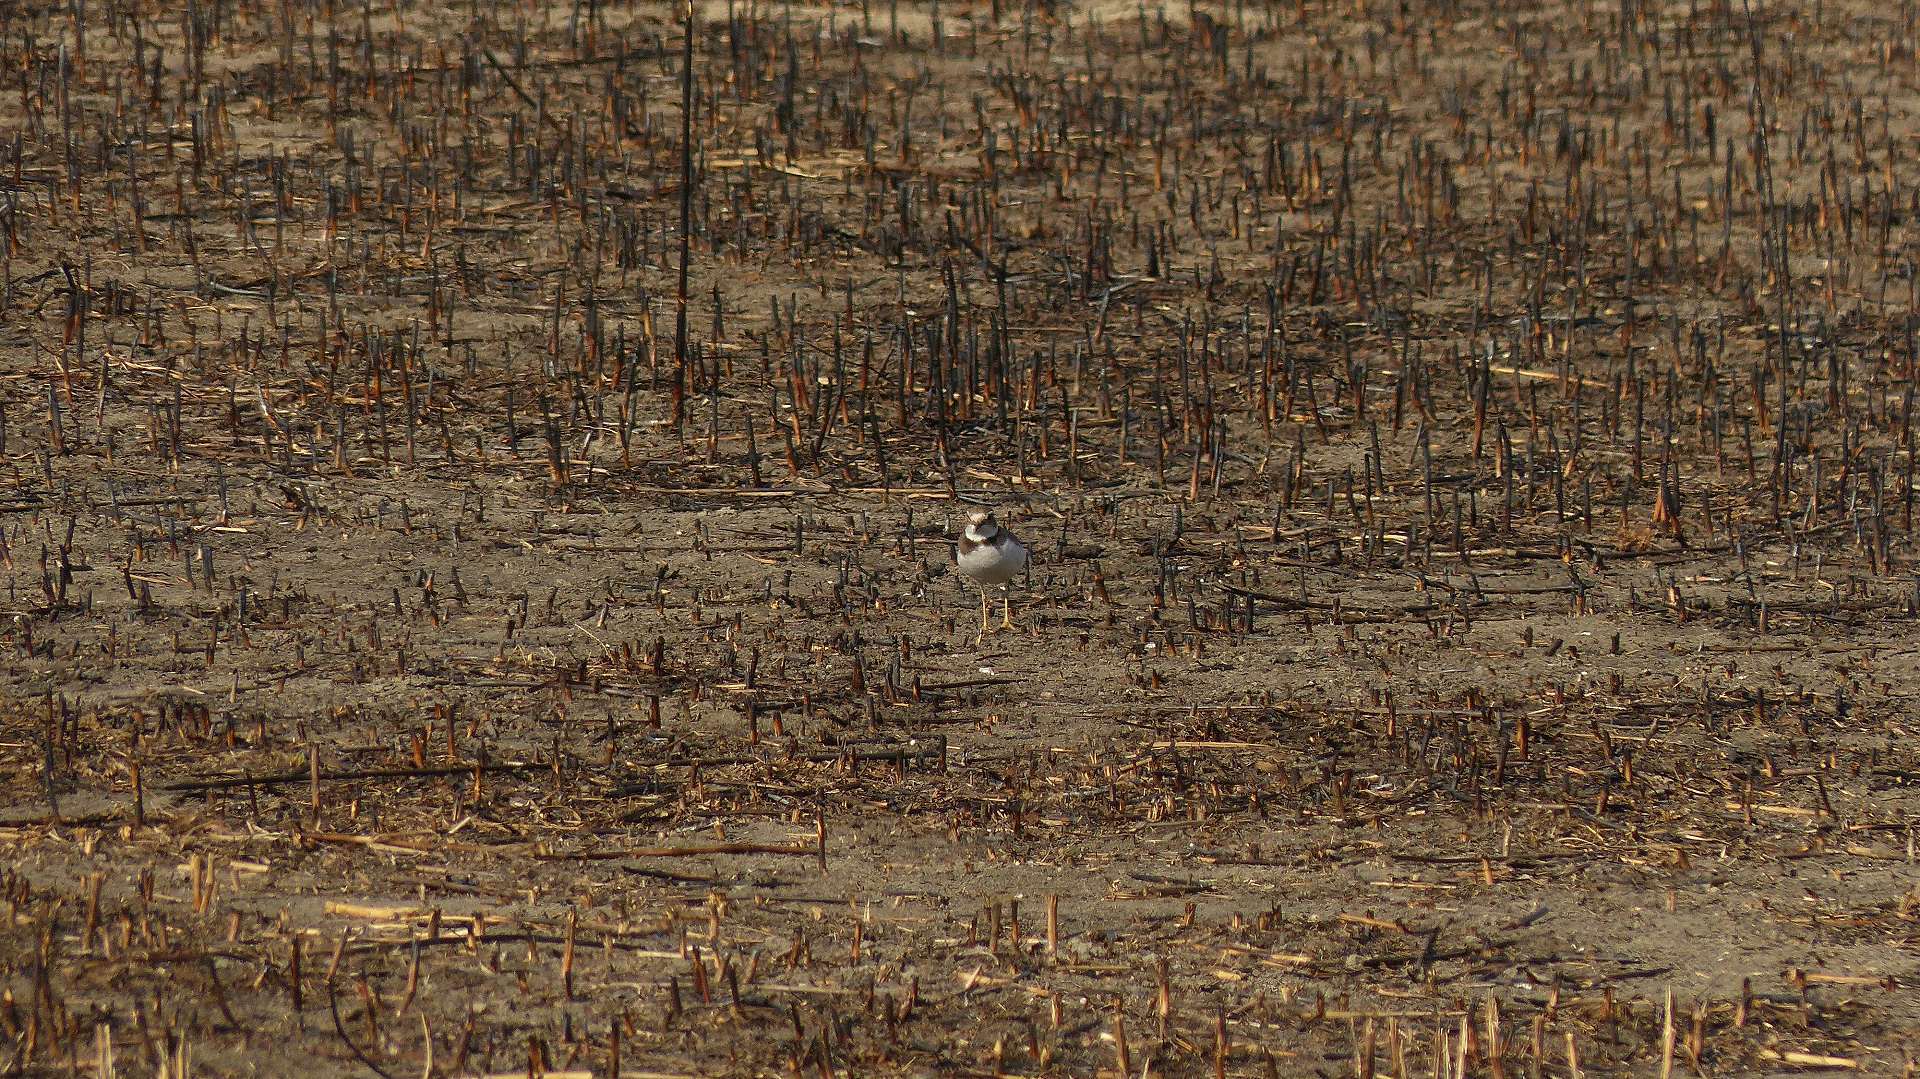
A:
x: 989, y: 555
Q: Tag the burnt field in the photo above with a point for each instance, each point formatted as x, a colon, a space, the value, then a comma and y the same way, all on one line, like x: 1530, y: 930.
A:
x: 477, y: 537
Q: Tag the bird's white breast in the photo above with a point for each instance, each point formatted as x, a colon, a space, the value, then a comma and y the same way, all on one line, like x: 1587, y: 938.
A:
x: 990, y: 564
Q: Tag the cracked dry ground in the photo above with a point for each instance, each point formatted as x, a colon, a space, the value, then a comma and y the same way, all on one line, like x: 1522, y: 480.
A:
x: 1466, y: 453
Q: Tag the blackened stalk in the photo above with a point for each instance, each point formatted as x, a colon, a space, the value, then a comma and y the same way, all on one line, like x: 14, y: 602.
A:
x: 686, y: 219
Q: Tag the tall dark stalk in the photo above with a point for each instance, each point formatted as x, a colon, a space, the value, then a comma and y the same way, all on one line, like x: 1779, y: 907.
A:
x: 686, y: 220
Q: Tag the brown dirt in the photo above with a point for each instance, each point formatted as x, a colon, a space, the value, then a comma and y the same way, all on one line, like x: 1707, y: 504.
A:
x: 1472, y: 572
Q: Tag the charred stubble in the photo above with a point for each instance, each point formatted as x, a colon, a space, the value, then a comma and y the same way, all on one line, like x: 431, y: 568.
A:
x: 1466, y: 456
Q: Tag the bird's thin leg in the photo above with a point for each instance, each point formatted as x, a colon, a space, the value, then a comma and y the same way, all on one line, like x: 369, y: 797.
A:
x: 983, y: 611
x: 1006, y: 609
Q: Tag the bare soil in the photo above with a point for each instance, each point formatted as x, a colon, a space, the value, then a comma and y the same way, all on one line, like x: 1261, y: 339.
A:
x: 1465, y: 450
